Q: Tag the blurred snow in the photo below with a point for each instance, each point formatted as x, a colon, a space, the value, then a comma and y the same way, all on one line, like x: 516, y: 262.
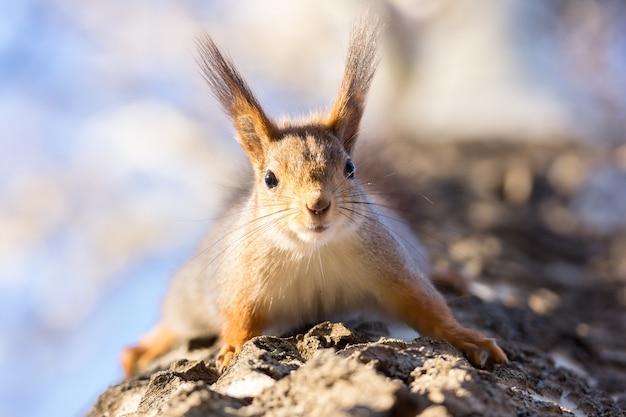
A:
x: 114, y: 158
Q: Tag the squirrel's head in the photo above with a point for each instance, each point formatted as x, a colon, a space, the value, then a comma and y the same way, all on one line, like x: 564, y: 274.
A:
x: 304, y: 175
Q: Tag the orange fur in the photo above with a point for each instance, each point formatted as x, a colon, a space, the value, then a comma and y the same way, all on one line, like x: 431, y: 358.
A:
x: 425, y: 310
x: 149, y: 348
x: 241, y: 322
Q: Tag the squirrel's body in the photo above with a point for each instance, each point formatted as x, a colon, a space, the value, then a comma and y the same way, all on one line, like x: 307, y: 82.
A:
x: 309, y: 243
x: 295, y: 282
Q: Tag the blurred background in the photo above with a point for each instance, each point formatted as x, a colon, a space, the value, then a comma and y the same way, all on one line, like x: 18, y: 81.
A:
x: 114, y: 157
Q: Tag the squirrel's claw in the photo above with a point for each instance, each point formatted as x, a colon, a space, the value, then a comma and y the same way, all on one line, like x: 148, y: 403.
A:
x: 484, y: 353
x: 225, y: 356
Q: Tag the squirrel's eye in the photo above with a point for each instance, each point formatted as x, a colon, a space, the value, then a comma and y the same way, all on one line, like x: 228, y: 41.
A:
x: 349, y: 170
x: 270, y: 180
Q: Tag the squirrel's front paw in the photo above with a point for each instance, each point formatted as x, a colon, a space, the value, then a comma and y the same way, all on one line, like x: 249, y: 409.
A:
x: 130, y: 358
x: 225, y: 355
x: 483, y: 353
x: 151, y: 346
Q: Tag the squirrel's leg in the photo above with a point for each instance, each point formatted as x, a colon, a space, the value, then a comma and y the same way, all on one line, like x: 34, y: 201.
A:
x: 238, y: 326
x: 152, y: 345
x: 420, y: 306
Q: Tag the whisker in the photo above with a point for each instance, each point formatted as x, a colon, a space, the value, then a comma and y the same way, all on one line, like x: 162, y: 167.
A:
x: 265, y: 221
x: 319, y: 257
x: 421, y: 230
x: 369, y: 215
x: 349, y: 192
x: 249, y: 236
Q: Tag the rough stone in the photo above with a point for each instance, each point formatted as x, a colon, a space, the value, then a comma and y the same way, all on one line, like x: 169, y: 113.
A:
x: 550, y: 287
x: 340, y: 387
x: 346, y: 375
x: 262, y: 361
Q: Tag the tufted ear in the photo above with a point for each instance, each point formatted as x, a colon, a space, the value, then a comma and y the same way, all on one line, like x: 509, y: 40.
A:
x: 254, y: 128
x: 345, y: 116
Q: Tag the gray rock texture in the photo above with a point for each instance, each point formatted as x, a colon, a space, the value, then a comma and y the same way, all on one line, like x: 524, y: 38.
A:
x: 547, y: 283
x: 334, y: 370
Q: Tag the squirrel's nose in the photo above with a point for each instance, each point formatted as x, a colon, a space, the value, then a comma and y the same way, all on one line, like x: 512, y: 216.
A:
x: 318, y: 206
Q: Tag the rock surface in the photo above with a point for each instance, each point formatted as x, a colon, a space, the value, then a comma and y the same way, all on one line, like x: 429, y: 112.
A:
x: 335, y: 370
x: 542, y: 279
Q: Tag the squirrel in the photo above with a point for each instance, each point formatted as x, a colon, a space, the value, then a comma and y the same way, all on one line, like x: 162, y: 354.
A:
x: 309, y: 243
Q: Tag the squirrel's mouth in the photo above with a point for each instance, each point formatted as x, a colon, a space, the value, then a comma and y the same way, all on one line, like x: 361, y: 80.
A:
x: 315, y: 232
x: 318, y: 228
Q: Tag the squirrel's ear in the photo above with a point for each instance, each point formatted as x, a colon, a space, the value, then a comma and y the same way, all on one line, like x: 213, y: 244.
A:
x: 254, y: 129
x: 345, y: 115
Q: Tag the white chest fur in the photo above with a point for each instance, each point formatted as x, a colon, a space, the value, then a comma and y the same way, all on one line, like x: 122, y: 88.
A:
x: 314, y: 284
